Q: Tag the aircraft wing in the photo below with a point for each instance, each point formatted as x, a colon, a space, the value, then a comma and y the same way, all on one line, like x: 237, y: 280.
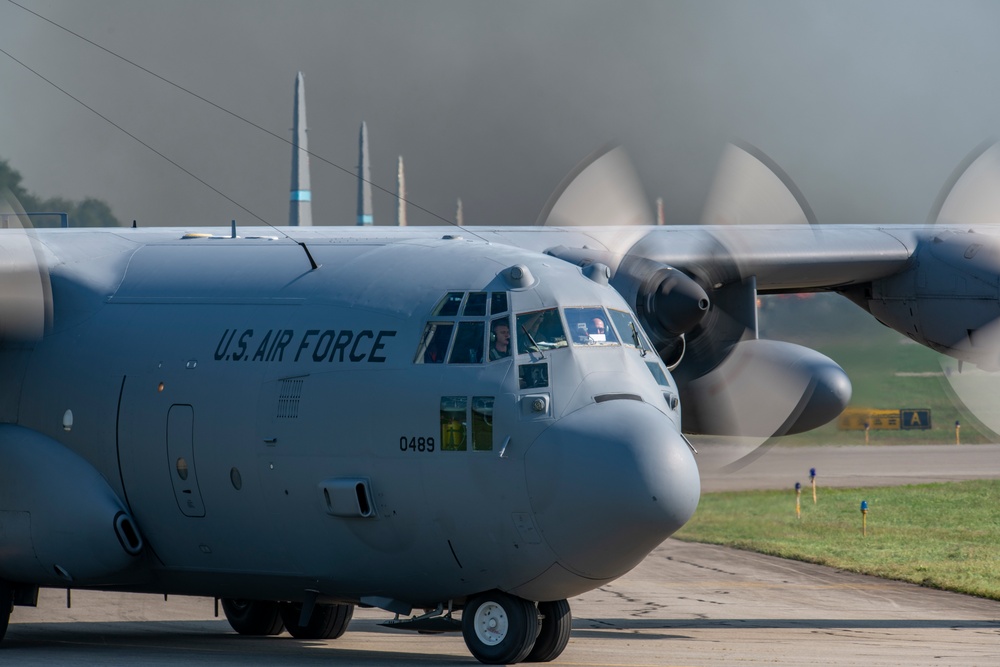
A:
x: 782, y: 258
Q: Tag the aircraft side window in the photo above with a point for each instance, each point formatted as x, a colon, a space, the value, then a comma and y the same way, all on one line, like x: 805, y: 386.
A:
x: 498, y: 303
x: 482, y: 423
x: 658, y: 374
x: 448, y: 306
x: 589, y: 326
x: 475, y: 305
x: 454, y: 423
x: 468, y: 347
x: 533, y: 376
x: 434, y: 343
x: 540, y: 330
x: 499, y: 338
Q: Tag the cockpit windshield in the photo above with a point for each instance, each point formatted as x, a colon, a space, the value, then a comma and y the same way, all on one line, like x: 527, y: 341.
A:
x: 540, y: 330
x: 630, y: 332
x: 589, y: 326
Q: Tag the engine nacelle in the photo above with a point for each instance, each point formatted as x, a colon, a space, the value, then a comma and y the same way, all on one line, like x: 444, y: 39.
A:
x: 60, y: 521
x: 948, y: 299
x: 765, y: 388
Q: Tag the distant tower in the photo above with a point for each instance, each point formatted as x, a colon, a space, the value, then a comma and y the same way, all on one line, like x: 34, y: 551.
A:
x: 400, y: 195
x: 364, y: 180
x: 300, y: 208
x: 459, y: 216
x: 659, y: 211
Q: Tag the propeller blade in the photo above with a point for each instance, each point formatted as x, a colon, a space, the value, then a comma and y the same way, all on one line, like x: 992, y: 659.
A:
x: 972, y: 197
x: 972, y: 194
x: 737, y: 384
x: 750, y: 189
x: 25, y: 291
x: 603, y: 190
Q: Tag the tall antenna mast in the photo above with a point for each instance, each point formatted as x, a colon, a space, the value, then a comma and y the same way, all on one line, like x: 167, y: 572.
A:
x: 364, y: 180
x: 300, y: 200
x: 401, y: 195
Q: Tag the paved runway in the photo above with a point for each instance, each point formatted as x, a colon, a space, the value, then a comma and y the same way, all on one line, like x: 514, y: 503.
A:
x: 845, y: 466
x: 686, y: 604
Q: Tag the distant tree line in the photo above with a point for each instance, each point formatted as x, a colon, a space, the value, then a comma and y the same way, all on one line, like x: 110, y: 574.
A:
x: 87, y: 213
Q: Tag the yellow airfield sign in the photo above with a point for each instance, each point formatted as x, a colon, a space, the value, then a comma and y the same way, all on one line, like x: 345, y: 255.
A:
x: 859, y: 419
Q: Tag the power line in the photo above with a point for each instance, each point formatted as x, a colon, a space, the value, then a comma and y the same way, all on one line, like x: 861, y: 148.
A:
x: 140, y: 141
x: 222, y: 109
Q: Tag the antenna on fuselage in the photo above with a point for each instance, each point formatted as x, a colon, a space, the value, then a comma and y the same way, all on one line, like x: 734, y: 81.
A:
x: 300, y: 199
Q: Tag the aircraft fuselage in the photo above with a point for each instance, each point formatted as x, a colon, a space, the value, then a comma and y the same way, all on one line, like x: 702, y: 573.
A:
x: 274, y: 429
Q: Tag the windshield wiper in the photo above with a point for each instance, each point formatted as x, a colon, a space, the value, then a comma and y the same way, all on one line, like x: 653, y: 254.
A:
x: 538, y: 348
x: 635, y: 339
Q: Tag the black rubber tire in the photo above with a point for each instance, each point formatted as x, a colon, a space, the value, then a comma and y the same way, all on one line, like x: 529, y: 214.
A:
x: 6, y: 606
x: 256, y: 618
x: 328, y: 621
x: 518, y: 621
x: 557, y: 623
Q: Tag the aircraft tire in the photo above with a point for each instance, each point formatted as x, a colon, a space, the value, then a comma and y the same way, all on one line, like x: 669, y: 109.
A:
x: 6, y: 607
x: 328, y: 621
x: 498, y: 628
x: 557, y: 623
x: 253, y: 617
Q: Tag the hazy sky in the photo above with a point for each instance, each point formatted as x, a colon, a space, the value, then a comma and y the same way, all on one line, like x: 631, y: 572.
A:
x: 868, y: 106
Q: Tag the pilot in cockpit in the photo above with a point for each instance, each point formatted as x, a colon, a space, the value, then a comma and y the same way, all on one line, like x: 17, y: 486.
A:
x: 595, y: 330
x: 500, y: 346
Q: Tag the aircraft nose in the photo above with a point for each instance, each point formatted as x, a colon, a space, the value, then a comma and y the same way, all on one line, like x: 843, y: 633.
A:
x: 608, y: 483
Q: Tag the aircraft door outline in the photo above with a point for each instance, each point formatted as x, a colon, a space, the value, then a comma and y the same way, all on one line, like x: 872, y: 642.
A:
x: 181, y: 462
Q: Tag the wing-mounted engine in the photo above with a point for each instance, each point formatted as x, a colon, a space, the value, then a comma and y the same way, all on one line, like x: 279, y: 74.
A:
x: 702, y: 316
x: 949, y: 298
x: 60, y: 521
x: 732, y: 383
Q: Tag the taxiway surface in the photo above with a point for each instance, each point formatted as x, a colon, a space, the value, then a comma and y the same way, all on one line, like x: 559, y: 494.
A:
x: 686, y: 604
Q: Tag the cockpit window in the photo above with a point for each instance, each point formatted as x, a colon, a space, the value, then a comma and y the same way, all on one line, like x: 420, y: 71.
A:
x: 499, y: 338
x: 475, y: 305
x: 434, y: 343
x: 628, y: 330
x: 658, y: 374
x: 498, y: 303
x: 589, y: 326
x: 540, y: 330
x: 468, y: 347
x: 533, y: 376
x: 448, y: 306
x: 458, y: 329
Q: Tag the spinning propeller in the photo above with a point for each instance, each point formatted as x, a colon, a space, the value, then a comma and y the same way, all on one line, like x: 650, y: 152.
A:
x: 972, y: 197
x: 702, y: 313
x: 25, y: 291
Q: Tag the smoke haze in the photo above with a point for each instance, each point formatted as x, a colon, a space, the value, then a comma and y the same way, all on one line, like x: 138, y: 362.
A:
x: 867, y: 106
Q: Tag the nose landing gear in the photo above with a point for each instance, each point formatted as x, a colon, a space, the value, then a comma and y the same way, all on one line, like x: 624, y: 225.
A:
x: 504, y: 629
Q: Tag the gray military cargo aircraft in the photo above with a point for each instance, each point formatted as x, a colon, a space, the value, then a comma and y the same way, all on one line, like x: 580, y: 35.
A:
x: 464, y: 428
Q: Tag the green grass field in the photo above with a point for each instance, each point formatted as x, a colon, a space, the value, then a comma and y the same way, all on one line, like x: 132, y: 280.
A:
x: 943, y: 536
